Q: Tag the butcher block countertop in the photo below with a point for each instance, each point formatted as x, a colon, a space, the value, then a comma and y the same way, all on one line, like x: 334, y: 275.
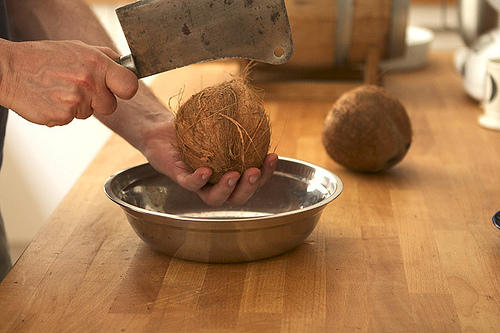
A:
x: 410, y: 250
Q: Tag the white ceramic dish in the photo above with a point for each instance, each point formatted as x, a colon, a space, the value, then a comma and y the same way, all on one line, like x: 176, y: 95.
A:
x: 418, y: 41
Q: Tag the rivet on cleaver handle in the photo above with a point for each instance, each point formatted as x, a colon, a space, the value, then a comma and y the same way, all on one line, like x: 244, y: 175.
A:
x: 167, y: 34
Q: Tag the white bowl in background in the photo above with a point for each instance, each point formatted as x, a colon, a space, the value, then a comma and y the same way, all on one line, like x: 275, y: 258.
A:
x: 418, y: 40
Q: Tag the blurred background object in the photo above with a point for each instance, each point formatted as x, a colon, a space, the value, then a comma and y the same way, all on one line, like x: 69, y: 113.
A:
x: 475, y: 18
x: 478, y: 26
x: 341, y: 40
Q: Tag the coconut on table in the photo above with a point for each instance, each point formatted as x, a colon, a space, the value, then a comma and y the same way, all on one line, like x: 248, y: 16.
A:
x: 367, y: 130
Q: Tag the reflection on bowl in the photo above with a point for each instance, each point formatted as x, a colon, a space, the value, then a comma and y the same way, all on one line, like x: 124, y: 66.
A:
x: 174, y: 221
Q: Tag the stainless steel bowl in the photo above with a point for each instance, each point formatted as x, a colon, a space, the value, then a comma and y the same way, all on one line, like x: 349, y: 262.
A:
x: 174, y: 221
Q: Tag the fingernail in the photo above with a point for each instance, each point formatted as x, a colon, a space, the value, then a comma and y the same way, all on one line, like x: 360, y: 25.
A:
x: 231, y: 182
x: 253, y: 179
x: 272, y: 164
x: 204, y: 177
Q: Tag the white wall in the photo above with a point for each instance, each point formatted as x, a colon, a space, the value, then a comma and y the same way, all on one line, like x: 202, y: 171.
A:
x: 41, y: 164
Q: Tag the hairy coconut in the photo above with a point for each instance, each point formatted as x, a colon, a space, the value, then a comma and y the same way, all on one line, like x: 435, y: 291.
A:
x: 223, y: 127
x: 367, y: 129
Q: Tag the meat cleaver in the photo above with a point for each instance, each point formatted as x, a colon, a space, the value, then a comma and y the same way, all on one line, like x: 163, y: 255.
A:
x: 167, y: 34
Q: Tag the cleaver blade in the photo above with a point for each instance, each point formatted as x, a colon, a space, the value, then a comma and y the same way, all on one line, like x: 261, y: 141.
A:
x: 167, y: 34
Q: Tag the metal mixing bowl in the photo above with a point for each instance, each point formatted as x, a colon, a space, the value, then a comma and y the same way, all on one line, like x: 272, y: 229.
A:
x: 174, y: 221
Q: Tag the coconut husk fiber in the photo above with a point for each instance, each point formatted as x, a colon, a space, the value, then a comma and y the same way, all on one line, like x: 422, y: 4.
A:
x: 224, y: 127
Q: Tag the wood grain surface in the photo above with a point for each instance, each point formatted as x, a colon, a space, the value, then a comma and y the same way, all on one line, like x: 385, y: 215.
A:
x: 409, y: 250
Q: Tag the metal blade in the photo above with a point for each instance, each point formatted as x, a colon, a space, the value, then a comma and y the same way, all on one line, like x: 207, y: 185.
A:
x: 167, y: 34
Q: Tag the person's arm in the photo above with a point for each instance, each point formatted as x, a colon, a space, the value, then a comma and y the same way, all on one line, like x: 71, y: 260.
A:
x: 51, y: 83
x: 143, y: 121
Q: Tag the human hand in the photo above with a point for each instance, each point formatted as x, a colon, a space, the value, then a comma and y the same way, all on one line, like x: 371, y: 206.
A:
x: 233, y: 188
x: 52, y: 82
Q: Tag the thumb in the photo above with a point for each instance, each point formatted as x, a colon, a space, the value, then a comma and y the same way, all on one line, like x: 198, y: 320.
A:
x: 121, y: 81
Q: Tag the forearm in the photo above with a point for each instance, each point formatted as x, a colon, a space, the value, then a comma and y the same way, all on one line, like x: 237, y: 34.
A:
x: 139, y: 119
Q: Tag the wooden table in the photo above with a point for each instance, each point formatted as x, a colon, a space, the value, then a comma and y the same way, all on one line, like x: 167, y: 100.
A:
x: 413, y: 249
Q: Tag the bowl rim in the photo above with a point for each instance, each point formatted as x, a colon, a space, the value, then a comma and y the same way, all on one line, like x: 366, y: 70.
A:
x: 336, y: 179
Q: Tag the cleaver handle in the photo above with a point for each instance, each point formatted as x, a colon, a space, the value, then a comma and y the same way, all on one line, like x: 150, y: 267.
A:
x: 128, y: 62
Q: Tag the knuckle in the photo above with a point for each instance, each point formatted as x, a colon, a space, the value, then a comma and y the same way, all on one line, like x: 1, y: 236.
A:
x: 105, y: 105
x: 71, y: 103
x: 66, y: 117
x: 61, y: 118
x: 71, y: 107
x: 84, y: 114
x: 85, y: 80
